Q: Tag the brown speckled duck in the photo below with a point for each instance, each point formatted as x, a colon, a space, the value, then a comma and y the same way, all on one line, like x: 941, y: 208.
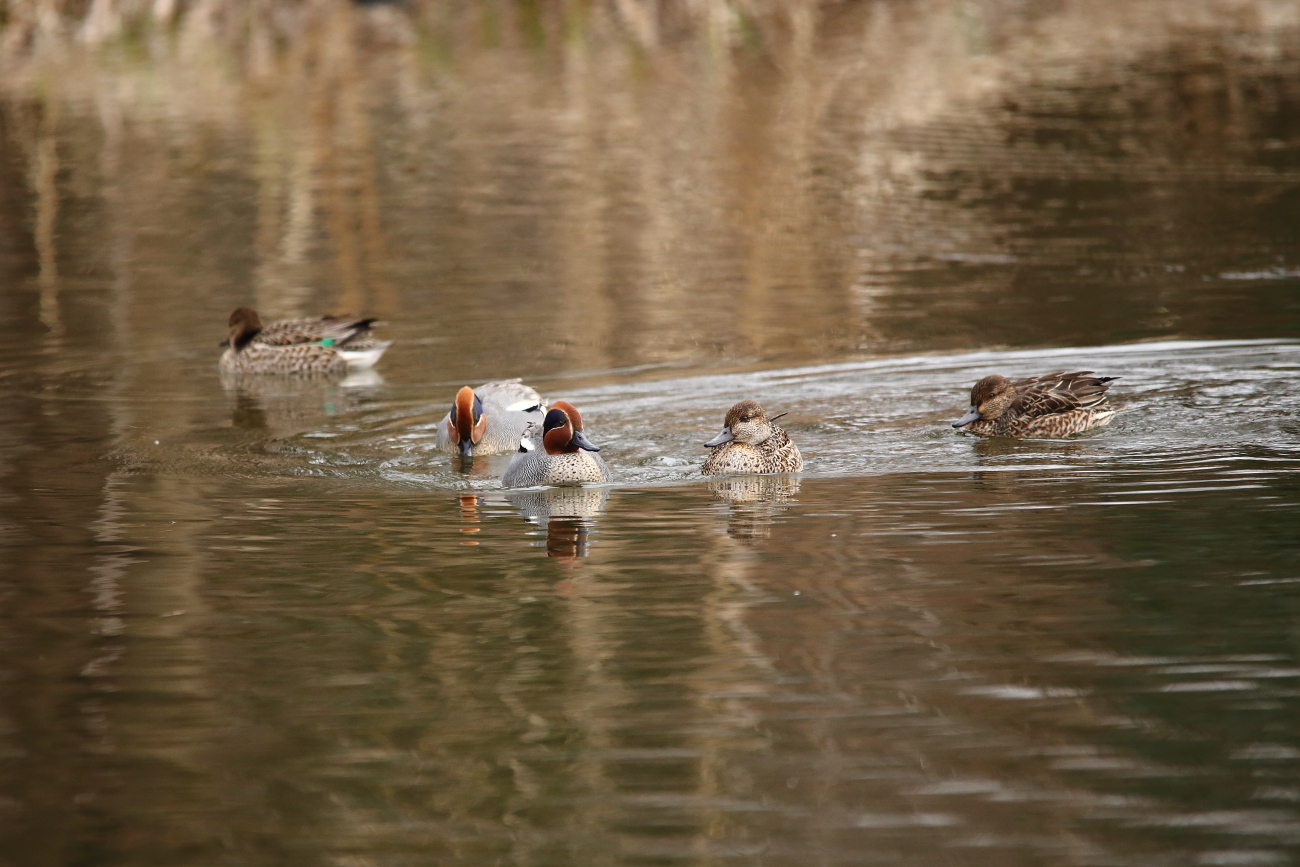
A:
x: 566, y: 457
x: 323, y: 345
x: 751, y: 443
x: 1055, y: 405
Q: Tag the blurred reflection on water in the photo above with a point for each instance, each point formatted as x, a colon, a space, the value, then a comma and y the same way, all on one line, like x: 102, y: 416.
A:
x: 256, y: 622
x: 754, y: 502
x: 567, y: 514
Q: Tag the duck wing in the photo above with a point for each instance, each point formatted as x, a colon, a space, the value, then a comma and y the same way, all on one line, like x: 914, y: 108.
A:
x: 511, y: 395
x: 291, y: 332
x: 1060, y: 392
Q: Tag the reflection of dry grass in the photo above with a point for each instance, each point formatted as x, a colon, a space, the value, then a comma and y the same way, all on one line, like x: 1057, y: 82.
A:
x: 259, y: 36
x: 618, y: 163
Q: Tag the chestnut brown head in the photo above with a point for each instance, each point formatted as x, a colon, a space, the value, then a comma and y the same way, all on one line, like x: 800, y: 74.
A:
x: 575, y: 419
x: 466, y: 423
x: 558, y: 433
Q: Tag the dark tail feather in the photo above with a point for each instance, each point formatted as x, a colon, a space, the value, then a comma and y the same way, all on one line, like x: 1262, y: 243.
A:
x: 360, y: 328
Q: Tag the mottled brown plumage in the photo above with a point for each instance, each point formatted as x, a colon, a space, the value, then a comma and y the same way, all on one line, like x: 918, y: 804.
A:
x: 352, y: 333
x: 298, y: 346
x: 1052, y: 406
x: 751, y: 443
x: 305, y: 359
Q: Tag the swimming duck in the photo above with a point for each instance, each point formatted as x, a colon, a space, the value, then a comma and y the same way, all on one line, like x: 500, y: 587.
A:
x: 298, y: 346
x: 490, y: 419
x: 1055, y: 405
x: 751, y: 443
x: 566, y: 457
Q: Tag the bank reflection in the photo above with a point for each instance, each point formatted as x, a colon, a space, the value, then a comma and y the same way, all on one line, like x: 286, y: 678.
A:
x: 754, y: 502
x: 568, y: 514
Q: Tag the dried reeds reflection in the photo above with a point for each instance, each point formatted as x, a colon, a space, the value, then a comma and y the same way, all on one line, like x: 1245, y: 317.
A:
x: 734, y: 180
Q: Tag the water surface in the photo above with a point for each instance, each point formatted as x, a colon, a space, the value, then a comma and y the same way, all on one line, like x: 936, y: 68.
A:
x: 266, y: 622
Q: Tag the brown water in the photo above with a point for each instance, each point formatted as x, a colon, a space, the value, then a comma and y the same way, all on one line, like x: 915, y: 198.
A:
x: 267, y: 623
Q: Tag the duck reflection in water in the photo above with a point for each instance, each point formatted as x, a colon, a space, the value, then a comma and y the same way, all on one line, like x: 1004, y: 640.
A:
x: 755, y: 502
x: 287, y: 406
x: 568, y: 514
x: 469, y: 516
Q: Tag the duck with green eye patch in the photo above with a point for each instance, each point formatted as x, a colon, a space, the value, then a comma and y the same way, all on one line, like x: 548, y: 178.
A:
x: 566, y: 456
x: 306, y: 346
x: 490, y: 419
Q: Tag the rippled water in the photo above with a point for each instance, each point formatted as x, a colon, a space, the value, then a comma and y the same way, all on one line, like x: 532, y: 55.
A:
x: 264, y: 621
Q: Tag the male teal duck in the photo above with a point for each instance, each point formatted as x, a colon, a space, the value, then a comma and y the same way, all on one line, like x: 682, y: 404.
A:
x: 490, y: 419
x: 751, y: 443
x: 566, y: 456
x: 323, y: 345
x: 1055, y: 405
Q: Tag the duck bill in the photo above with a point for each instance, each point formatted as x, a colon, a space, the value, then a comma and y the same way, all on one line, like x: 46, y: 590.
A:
x: 580, y: 440
x: 971, y: 415
x: 466, y: 447
x: 720, y: 439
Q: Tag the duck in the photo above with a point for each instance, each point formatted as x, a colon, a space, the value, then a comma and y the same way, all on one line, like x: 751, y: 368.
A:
x: 490, y: 419
x: 1054, y: 405
x: 323, y: 345
x: 750, y: 443
x: 566, y: 456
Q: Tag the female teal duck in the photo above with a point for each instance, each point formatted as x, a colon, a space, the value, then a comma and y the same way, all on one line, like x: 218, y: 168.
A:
x: 490, y: 419
x: 751, y: 443
x: 324, y: 345
x: 566, y: 457
x: 1055, y: 405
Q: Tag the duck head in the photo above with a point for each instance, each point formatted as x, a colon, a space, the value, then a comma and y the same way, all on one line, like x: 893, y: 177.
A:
x: 579, y: 438
x: 466, y: 423
x: 559, y: 436
x: 745, y: 423
x: 245, y: 324
x: 990, y: 397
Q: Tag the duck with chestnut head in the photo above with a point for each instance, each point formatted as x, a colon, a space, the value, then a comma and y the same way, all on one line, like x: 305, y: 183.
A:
x: 1052, y: 406
x: 490, y: 419
x: 565, y: 455
x: 750, y: 442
